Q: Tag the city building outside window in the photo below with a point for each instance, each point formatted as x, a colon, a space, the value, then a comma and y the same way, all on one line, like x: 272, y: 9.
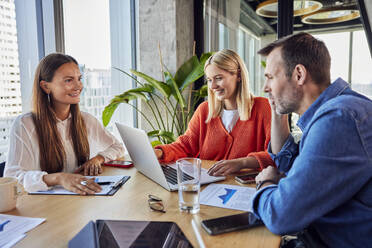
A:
x: 10, y: 91
x: 99, y: 38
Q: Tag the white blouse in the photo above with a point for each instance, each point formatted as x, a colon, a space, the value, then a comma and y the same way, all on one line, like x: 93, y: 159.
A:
x: 23, y: 159
x: 229, y: 118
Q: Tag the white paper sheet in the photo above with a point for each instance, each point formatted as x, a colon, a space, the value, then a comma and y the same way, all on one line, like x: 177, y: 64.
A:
x: 228, y: 196
x: 16, y: 228
x: 59, y: 190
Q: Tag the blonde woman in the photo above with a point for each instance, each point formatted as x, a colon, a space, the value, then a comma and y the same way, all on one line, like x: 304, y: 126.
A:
x: 55, y: 141
x: 232, y: 127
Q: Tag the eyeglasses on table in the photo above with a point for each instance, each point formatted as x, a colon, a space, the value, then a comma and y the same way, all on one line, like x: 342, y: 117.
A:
x: 156, y: 203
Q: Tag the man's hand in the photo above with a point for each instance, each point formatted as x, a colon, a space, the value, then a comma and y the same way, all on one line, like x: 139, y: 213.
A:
x: 279, y: 129
x: 269, y: 173
x: 92, y: 167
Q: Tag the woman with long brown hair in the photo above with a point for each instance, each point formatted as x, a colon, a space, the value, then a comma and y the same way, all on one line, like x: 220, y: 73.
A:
x: 54, y: 142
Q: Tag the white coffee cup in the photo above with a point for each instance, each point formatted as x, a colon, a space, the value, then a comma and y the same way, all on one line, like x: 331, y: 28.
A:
x: 9, y: 191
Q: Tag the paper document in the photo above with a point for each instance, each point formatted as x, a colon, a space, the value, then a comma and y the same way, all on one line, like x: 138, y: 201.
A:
x: 59, y: 190
x: 14, y: 228
x: 228, y: 196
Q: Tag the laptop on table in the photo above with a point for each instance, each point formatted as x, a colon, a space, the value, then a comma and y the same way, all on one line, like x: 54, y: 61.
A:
x: 146, y: 162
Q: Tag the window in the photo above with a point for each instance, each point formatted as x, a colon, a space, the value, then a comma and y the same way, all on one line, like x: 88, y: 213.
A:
x: 10, y: 90
x: 99, y: 38
x: 223, y: 30
x: 350, y: 62
x: 338, y: 45
x: 361, y: 78
x: 87, y: 39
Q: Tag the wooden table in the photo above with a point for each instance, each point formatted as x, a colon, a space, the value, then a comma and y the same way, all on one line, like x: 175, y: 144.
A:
x: 67, y: 215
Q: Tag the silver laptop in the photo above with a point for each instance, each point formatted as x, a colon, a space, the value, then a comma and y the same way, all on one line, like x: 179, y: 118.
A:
x: 145, y: 161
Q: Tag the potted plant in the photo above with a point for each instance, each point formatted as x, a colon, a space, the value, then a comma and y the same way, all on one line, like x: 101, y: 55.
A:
x: 168, y: 95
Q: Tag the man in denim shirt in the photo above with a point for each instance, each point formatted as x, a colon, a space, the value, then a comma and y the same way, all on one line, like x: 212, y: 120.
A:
x: 326, y: 193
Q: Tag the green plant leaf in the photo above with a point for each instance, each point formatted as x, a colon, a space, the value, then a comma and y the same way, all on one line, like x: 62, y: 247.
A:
x: 130, y: 95
x: 185, y: 70
x: 191, y: 71
x: 263, y: 63
x: 204, y: 58
x: 156, y: 143
x: 108, y: 112
x: 122, y: 98
x: 178, y: 96
x: 164, y: 89
x: 145, y: 88
x: 168, y: 136
x: 203, y: 91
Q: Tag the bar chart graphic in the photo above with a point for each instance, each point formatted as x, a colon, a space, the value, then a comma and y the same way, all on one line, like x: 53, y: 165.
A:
x: 226, y: 197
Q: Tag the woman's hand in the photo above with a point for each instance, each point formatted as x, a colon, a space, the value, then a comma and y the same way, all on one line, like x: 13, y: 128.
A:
x: 73, y: 182
x: 158, y: 153
x: 227, y: 167
x: 92, y: 167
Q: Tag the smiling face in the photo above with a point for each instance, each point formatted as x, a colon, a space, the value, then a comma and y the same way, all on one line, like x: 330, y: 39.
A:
x: 284, y: 94
x: 223, y: 84
x: 66, y: 85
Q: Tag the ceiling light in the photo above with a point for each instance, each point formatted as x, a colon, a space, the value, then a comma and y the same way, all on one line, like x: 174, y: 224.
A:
x: 330, y: 15
x: 269, y: 8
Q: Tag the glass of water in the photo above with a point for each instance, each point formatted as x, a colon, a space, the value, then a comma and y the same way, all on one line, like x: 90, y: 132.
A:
x: 188, y: 178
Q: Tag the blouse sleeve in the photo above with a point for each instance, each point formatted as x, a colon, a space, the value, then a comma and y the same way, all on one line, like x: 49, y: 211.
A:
x: 22, y: 160
x: 104, y: 143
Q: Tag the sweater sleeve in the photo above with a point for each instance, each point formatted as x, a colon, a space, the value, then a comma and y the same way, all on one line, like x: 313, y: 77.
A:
x: 264, y: 123
x: 186, y: 145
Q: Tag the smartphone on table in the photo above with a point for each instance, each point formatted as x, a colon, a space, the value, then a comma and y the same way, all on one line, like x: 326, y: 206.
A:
x: 119, y: 163
x: 231, y: 223
x: 247, y: 178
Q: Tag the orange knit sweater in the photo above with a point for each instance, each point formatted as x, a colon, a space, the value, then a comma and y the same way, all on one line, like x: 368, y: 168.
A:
x: 211, y: 141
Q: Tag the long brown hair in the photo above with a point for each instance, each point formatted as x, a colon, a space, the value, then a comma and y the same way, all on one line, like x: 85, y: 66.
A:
x: 52, y: 152
x: 231, y: 62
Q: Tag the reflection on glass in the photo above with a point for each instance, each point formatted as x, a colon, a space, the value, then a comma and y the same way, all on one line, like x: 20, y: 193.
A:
x: 87, y: 38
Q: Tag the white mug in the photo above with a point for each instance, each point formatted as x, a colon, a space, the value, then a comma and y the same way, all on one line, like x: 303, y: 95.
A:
x: 8, y: 193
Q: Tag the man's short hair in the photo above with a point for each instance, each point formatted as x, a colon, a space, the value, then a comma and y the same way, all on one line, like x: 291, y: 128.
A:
x: 304, y: 49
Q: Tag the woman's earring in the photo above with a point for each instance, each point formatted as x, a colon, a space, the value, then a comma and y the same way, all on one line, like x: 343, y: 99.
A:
x: 48, y: 98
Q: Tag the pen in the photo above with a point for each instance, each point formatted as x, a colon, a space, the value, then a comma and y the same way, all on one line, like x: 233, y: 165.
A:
x: 104, y: 183
x: 197, y: 234
x: 117, y: 184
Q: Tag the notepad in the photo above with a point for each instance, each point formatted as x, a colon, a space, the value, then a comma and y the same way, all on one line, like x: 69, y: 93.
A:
x: 14, y: 228
x: 107, y: 189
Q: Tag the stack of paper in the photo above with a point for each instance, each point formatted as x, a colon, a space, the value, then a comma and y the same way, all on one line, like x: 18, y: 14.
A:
x: 13, y: 228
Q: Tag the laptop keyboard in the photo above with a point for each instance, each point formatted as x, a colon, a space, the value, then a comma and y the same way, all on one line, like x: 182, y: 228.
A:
x: 171, y: 174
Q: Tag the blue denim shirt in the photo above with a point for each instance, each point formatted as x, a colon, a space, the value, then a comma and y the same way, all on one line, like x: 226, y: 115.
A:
x: 328, y: 186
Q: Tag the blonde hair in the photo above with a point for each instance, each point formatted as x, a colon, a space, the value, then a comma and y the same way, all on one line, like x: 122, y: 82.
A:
x: 52, y: 152
x: 231, y: 62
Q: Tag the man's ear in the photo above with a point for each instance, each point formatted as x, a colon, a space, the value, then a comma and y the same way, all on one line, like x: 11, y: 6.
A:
x: 45, y: 86
x: 300, y: 74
